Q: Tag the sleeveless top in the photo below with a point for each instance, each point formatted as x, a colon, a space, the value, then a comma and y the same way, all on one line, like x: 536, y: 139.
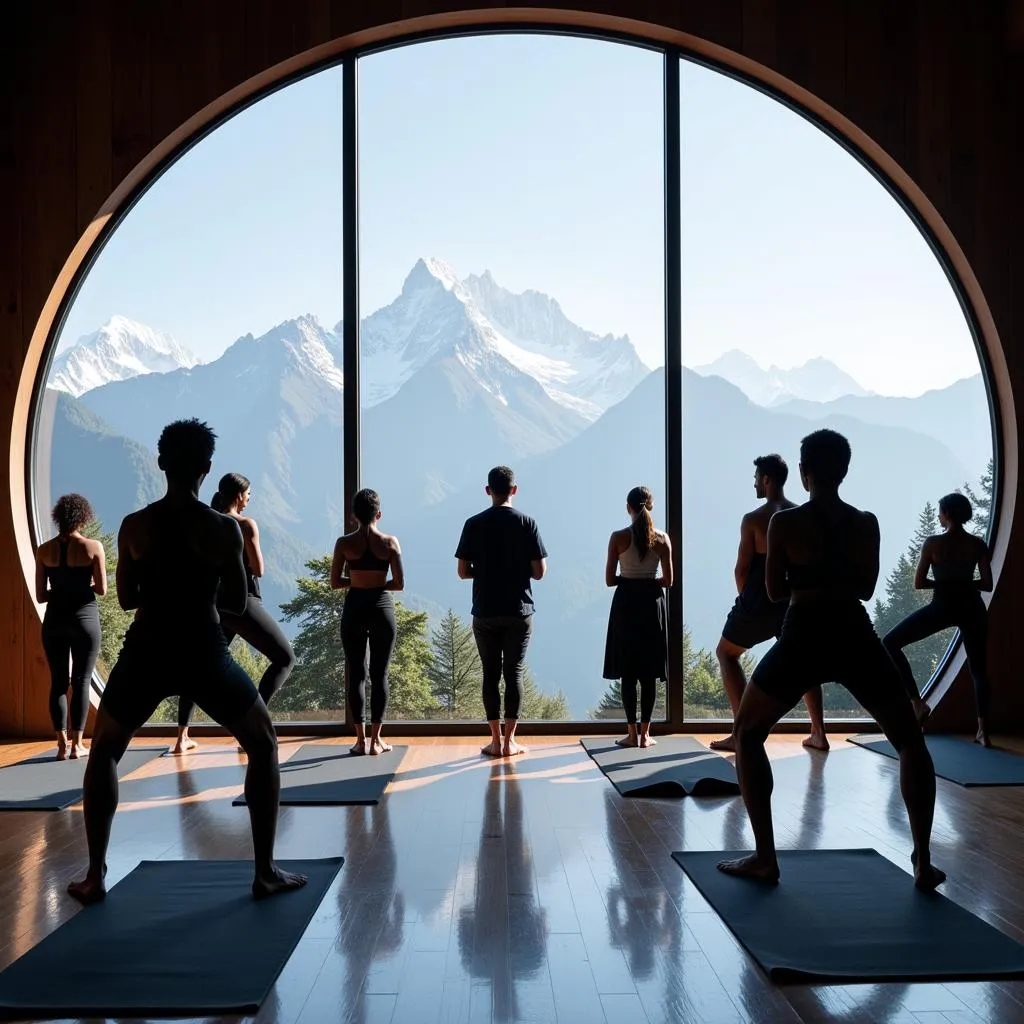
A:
x: 252, y: 582
x: 836, y: 567
x: 368, y: 561
x: 70, y: 585
x: 633, y: 567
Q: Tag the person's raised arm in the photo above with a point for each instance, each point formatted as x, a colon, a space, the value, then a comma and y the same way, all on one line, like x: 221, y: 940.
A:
x: 338, y: 578
x: 667, y: 568
x: 611, y: 564
x: 745, y: 555
x: 921, y: 580
x: 253, y: 551
x: 42, y: 593
x: 397, y: 581
x: 776, y: 584
x: 867, y: 563
x: 984, y: 567
x: 99, y: 570
x: 233, y: 586
x: 126, y: 577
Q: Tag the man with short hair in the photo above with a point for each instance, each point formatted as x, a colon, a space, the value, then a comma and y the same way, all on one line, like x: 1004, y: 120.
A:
x: 501, y: 552
x: 177, y: 561
x: 823, y: 557
x: 755, y: 618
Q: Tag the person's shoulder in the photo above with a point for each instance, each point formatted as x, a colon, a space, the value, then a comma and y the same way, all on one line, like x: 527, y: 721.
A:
x: 46, y: 549
x: 866, y: 519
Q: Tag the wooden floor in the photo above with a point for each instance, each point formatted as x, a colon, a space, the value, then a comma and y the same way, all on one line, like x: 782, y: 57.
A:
x: 530, y: 891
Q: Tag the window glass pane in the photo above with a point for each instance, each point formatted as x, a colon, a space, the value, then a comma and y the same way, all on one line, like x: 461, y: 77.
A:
x: 810, y: 299
x: 511, y: 280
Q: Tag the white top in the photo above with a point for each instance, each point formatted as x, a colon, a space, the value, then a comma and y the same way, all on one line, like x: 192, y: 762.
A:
x: 633, y: 567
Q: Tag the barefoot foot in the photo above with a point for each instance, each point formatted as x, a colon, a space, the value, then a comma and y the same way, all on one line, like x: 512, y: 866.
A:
x: 379, y: 746
x: 752, y: 867
x: 183, y: 746
x: 493, y: 749
x: 62, y: 751
x: 626, y: 741
x: 982, y: 738
x: 728, y: 745
x: 358, y: 748
x: 928, y: 878
x: 512, y: 748
x: 816, y: 741
x: 78, y: 751
x: 647, y: 740
x: 275, y: 881
x: 89, y: 890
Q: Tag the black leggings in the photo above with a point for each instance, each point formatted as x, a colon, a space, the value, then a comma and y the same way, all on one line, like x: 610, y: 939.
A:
x: 368, y: 620
x: 256, y: 626
x: 75, y: 633
x: 963, y: 609
x: 648, y: 693
x: 502, y: 642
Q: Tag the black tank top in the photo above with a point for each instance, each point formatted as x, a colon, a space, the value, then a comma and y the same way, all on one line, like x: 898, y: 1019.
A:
x: 368, y: 561
x: 70, y: 585
x: 836, y: 566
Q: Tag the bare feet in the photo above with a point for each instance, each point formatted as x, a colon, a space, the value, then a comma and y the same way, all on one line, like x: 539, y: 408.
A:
x: 89, y: 890
x: 357, y: 748
x: 275, y: 881
x: 62, y: 750
x: 78, y: 750
x: 728, y: 745
x: 493, y: 749
x: 184, y: 745
x: 627, y: 741
x: 816, y: 741
x: 647, y: 740
x: 379, y: 746
x: 752, y: 867
x: 928, y: 878
x: 982, y: 738
x: 512, y: 748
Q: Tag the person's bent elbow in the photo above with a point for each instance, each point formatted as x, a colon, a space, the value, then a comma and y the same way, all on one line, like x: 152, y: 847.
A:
x: 539, y: 568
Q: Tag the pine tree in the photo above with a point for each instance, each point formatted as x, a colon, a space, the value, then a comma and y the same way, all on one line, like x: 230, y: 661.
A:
x: 537, y: 705
x: 114, y: 620
x: 410, y: 666
x: 454, y: 672
x: 981, y: 500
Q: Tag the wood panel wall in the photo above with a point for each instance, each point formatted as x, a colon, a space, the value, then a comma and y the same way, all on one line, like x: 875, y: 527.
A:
x: 89, y: 87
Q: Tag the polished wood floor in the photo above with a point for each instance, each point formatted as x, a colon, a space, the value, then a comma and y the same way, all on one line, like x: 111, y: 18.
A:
x: 530, y: 891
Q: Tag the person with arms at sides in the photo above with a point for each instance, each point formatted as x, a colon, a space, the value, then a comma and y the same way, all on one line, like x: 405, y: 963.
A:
x: 255, y: 625
x: 952, y: 557
x: 636, y: 650
x: 823, y: 556
x: 361, y: 563
x: 500, y: 550
x: 173, y: 557
x: 70, y: 571
x: 755, y: 618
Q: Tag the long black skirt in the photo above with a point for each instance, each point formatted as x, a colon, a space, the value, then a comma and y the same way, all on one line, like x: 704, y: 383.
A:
x: 637, y: 643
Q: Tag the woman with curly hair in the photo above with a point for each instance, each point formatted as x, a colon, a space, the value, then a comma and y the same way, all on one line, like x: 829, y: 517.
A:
x: 70, y: 571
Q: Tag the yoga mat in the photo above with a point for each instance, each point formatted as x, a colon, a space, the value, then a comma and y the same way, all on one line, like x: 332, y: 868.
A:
x: 46, y: 784
x: 960, y: 761
x: 322, y: 774
x: 851, y: 915
x: 173, y: 938
x: 675, y: 766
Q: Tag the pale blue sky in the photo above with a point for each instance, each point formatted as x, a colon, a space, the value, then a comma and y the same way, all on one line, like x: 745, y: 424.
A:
x: 540, y: 159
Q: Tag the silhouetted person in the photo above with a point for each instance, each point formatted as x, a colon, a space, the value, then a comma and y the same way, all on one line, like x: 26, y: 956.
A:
x: 256, y: 626
x: 636, y: 647
x: 823, y: 555
x: 755, y: 617
x: 952, y: 557
x: 501, y: 552
x: 172, y: 557
x: 362, y: 560
x: 70, y: 571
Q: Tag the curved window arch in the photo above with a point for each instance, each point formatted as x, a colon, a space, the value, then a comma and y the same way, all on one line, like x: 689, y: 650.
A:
x: 511, y: 267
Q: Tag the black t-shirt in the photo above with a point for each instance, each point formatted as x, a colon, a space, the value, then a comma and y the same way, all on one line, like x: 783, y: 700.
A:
x: 501, y: 543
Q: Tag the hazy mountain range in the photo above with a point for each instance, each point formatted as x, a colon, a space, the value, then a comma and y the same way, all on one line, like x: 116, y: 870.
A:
x: 461, y: 374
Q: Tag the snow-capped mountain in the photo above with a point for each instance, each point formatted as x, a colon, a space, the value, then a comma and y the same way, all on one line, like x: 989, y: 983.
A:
x: 487, y: 329
x: 818, y: 380
x: 120, y: 349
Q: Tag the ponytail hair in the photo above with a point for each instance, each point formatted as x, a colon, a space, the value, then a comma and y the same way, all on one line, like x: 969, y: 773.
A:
x: 229, y: 489
x: 641, y: 501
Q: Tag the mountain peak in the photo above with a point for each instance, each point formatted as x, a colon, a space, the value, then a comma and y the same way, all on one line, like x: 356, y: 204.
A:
x: 428, y: 271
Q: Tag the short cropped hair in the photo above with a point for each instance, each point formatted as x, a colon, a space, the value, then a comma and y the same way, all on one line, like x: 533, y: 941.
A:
x: 774, y: 467
x: 186, y: 447
x: 501, y: 480
x: 366, y: 505
x: 71, y: 513
x: 956, y: 507
x: 825, y: 455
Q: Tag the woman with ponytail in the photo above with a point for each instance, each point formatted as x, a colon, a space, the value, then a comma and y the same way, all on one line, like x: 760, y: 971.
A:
x: 255, y: 625
x: 636, y: 651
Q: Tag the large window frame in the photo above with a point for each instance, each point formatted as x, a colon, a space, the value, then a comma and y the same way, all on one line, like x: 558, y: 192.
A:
x: 672, y: 56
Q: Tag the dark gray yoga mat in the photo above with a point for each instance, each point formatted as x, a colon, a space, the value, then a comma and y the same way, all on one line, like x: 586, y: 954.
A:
x: 320, y: 774
x: 173, y: 938
x: 46, y: 784
x: 675, y: 766
x: 851, y: 915
x: 960, y: 761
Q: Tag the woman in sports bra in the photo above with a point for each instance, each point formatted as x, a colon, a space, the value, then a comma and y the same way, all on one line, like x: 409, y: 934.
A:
x: 362, y: 560
x: 256, y: 626
x: 953, y: 556
x: 70, y: 572
x: 636, y: 647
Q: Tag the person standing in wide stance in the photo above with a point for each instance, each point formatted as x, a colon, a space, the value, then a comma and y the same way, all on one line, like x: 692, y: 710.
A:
x: 173, y: 556
x: 501, y: 552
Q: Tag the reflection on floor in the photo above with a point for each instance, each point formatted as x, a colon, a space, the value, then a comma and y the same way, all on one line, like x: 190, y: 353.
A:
x: 530, y: 891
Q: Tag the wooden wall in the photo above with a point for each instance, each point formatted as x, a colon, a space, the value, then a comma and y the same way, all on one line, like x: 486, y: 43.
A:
x: 89, y: 87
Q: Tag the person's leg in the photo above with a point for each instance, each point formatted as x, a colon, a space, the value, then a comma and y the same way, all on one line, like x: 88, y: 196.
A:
x: 629, y: 694
x: 515, y: 641
x: 383, y: 631
x: 354, y: 638
x: 57, y: 648
x: 734, y: 683
x: 648, y: 693
x: 488, y: 644
x: 184, y: 742
x: 258, y: 628
x: 85, y: 649
x: 816, y: 710
x: 915, y: 627
x: 974, y: 633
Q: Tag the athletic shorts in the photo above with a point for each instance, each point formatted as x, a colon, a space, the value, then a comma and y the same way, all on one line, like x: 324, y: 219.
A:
x: 826, y: 643
x: 746, y: 627
x: 192, y: 662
